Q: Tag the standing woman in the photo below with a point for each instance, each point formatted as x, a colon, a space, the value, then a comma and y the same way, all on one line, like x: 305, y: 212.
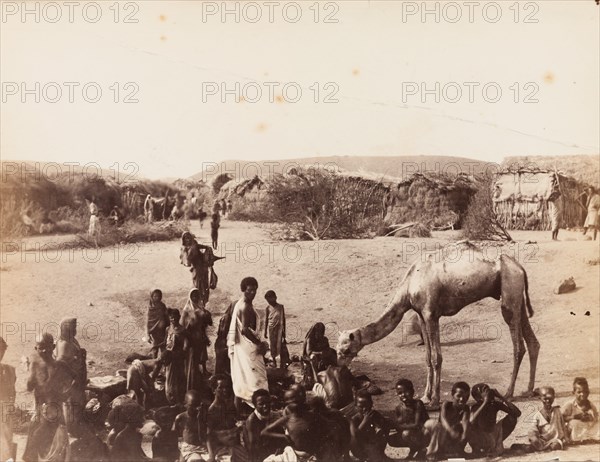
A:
x: 157, y: 322
x: 555, y: 211
x: 174, y: 358
x: 70, y: 353
x: 195, y: 319
x: 593, y: 210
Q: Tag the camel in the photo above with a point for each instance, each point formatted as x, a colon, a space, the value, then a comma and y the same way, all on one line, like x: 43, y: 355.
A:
x: 442, y: 286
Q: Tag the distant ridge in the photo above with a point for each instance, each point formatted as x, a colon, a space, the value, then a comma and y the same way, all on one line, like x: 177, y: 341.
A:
x: 395, y: 166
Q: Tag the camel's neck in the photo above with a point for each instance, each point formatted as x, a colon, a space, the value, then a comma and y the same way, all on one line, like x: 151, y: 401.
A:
x: 388, y: 320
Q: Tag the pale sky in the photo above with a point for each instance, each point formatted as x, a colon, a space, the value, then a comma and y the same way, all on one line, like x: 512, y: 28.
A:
x: 372, y: 56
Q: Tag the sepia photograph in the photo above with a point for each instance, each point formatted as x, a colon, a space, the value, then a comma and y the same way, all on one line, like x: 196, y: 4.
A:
x: 299, y: 231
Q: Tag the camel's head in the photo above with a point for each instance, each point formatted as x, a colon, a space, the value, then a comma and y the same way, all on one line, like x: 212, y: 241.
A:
x: 348, y: 346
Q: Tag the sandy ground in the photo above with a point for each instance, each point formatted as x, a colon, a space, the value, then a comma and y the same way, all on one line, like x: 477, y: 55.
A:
x: 344, y: 284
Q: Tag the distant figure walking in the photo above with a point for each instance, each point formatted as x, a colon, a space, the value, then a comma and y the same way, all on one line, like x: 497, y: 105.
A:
x: 214, y: 229
x: 223, y: 207
x: 149, y: 208
x: 201, y: 216
x: 200, y: 259
x: 216, y: 206
x: 94, y: 226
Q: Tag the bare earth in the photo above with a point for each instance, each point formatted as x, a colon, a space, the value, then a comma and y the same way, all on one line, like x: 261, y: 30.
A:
x: 344, y: 284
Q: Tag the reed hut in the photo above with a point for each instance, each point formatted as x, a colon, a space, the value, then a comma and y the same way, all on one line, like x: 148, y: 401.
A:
x: 521, y: 197
x: 250, y: 189
x: 437, y: 200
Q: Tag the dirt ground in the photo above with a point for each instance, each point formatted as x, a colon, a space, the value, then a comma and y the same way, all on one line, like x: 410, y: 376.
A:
x: 344, y: 283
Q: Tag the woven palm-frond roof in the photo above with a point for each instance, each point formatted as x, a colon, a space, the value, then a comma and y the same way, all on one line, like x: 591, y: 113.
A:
x: 582, y: 168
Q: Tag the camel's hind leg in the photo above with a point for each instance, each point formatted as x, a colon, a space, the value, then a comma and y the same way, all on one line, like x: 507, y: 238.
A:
x: 513, y: 295
x: 434, y: 361
x: 533, y: 348
x: 518, y: 352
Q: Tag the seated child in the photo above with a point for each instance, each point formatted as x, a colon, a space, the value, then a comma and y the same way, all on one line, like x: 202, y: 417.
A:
x: 369, y: 430
x: 336, y: 437
x: 486, y: 435
x: 549, y: 431
x: 165, y: 444
x: 140, y: 379
x: 222, y: 431
x: 336, y: 386
x: 316, y: 348
x: 301, y: 425
x: 580, y: 415
x: 449, y: 435
x: 259, y: 447
x: 127, y: 445
x: 191, y: 424
x: 411, y: 416
x: 123, y: 408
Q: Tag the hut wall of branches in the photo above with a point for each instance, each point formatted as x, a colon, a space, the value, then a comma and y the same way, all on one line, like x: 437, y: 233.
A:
x: 521, y: 198
x: 321, y: 203
x: 439, y: 201
x: 359, y: 197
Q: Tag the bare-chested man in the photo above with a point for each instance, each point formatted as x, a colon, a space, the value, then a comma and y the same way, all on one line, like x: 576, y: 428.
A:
x: 246, y: 350
x: 50, y: 382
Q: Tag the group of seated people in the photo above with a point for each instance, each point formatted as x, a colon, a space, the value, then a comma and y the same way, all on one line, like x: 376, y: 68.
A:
x: 327, y: 417
x: 308, y: 429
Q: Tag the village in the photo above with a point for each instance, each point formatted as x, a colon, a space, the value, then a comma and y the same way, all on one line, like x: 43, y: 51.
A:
x: 338, y: 216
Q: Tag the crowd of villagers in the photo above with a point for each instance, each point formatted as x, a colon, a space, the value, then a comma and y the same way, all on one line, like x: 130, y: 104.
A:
x: 250, y: 406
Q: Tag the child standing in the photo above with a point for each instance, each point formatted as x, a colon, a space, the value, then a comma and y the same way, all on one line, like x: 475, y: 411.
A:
x: 449, y: 436
x: 214, y: 229
x: 549, y: 431
x: 157, y: 322
x: 191, y: 424
x: 580, y: 415
x: 275, y: 326
x: 411, y: 416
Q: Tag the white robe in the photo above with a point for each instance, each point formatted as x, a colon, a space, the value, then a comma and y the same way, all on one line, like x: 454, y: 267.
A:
x: 248, y: 370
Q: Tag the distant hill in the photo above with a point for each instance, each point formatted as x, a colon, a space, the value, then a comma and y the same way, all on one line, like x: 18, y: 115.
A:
x: 584, y: 168
x: 396, y: 166
x: 59, y: 171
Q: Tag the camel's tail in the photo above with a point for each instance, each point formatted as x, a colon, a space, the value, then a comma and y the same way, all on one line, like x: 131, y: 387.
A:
x: 527, y: 300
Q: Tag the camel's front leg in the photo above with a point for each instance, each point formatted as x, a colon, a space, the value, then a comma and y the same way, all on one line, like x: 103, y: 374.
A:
x: 533, y: 348
x: 426, y: 338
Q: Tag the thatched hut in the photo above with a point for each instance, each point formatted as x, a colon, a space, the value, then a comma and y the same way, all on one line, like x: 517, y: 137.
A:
x: 521, y: 197
x: 251, y: 189
x: 437, y: 200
